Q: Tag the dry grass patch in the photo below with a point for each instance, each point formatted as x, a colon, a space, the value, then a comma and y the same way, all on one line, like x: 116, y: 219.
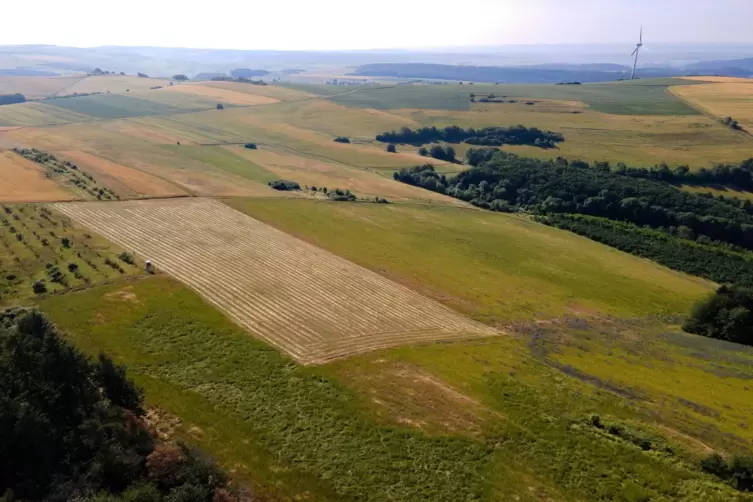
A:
x: 224, y: 96
x: 126, y: 181
x: 38, y: 114
x: 732, y: 99
x: 721, y: 80
x: 270, y: 91
x: 312, y: 172
x: 115, y: 84
x: 35, y: 87
x: 22, y: 180
x: 306, y: 301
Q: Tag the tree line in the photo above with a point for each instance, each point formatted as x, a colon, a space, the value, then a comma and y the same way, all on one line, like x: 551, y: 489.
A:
x: 488, y: 136
x: 636, y: 211
x: 508, y: 182
x: 11, y: 99
x: 73, y: 428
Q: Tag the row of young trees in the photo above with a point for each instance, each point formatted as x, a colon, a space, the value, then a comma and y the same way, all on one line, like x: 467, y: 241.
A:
x: 73, y: 428
x: 489, y: 136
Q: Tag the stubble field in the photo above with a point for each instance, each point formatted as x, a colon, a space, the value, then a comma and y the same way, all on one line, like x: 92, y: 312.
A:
x: 308, y: 302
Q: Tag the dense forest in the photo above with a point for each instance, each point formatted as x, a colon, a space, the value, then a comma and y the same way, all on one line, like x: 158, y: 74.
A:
x: 10, y: 99
x: 639, y: 211
x: 488, y: 136
x: 507, y: 182
x: 72, y: 428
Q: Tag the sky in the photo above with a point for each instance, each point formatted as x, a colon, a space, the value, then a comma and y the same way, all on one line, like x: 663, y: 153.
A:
x: 350, y: 24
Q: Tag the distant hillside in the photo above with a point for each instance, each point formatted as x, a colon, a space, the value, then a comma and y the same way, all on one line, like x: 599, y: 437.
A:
x: 730, y: 67
x: 542, y: 74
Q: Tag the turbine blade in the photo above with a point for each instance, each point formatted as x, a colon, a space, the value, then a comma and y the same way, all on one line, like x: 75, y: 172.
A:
x: 641, y: 34
x: 645, y: 48
x: 635, y: 51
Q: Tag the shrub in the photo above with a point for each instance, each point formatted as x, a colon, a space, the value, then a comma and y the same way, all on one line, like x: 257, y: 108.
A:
x: 126, y: 258
x: 250, y: 146
x: 391, y: 148
x: 220, y: 106
x: 66, y: 242
x: 39, y: 287
x: 342, y: 139
x: 284, y: 185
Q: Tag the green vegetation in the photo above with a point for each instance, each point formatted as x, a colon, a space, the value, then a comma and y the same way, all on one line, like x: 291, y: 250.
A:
x: 639, y: 97
x: 725, y: 315
x: 87, y: 418
x: 488, y: 136
x: 496, y: 268
x: 284, y: 185
x: 68, y: 174
x: 303, y: 432
x: 219, y: 157
x: 10, y: 99
x: 113, y: 106
x: 342, y: 139
x: 713, y: 262
x: 43, y: 251
x: 192, y: 361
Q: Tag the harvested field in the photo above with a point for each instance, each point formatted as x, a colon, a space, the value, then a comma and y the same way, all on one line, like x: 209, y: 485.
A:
x: 306, y: 301
x: 731, y: 99
x: 126, y: 181
x: 35, y: 87
x: 220, y: 95
x: 22, y: 180
x: 271, y: 91
x: 112, y: 83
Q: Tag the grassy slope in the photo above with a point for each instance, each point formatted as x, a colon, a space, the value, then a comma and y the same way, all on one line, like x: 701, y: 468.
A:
x: 645, y: 97
x: 300, y: 431
x: 113, y: 106
x: 497, y: 268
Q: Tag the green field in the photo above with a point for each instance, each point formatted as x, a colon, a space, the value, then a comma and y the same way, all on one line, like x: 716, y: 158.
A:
x: 496, y: 268
x: 645, y: 97
x: 311, y: 433
x: 219, y: 157
x: 32, y: 248
x: 113, y: 106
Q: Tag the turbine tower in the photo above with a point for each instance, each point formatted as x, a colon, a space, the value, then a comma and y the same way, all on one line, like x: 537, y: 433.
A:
x: 635, y: 53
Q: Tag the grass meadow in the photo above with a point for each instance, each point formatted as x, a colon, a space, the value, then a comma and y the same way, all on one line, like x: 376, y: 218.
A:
x: 499, y: 269
x: 311, y: 433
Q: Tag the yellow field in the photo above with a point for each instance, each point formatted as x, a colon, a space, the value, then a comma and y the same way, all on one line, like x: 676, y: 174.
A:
x: 38, y: 114
x: 22, y: 180
x: 126, y: 181
x: 220, y: 95
x: 271, y: 91
x: 312, y: 172
x: 35, y: 87
x: 723, y: 80
x: 115, y: 84
x: 729, y: 99
x: 310, y: 303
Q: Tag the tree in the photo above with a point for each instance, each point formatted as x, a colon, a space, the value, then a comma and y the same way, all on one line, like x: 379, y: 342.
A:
x: 66, y: 242
x: 143, y: 75
x: 423, y: 152
x: 250, y: 146
x: 180, y: 77
x: 10, y: 99
x: 220, y: 106
x: 391, y: 148
x: 449, y: 153
x: 39, y: 287
x: 342, y: 139
x: 726, y: 315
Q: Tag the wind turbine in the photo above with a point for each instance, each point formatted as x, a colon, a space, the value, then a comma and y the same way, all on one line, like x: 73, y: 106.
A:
x: 635, y: 53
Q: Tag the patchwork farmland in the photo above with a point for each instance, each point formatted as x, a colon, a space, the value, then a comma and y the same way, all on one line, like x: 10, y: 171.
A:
x: 306, y: 301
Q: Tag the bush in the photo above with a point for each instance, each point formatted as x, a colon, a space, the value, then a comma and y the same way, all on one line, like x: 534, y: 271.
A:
x: 180, y: 77
x: 725, y: 315
x: 220, y: 106
x: 39, y: 287
x: 391, y: 148
x: 284, y: 185
x: 738, y: 472
x: 423, y: 152
x: 66, y: 242
x: 341, y: 195
x: 126, y: 258
x: 250, y: 146
x: 342, y: 139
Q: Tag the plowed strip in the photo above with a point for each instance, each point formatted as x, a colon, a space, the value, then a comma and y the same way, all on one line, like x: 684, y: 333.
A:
x: 304, y: 300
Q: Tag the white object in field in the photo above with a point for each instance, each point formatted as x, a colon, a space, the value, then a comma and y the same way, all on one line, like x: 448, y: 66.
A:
x: 148, y: 265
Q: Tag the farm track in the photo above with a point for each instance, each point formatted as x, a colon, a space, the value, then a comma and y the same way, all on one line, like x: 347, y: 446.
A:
x: 308, y: 302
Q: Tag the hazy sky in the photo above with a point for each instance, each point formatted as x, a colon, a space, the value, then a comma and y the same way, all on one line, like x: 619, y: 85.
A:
x: 350, y: 24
